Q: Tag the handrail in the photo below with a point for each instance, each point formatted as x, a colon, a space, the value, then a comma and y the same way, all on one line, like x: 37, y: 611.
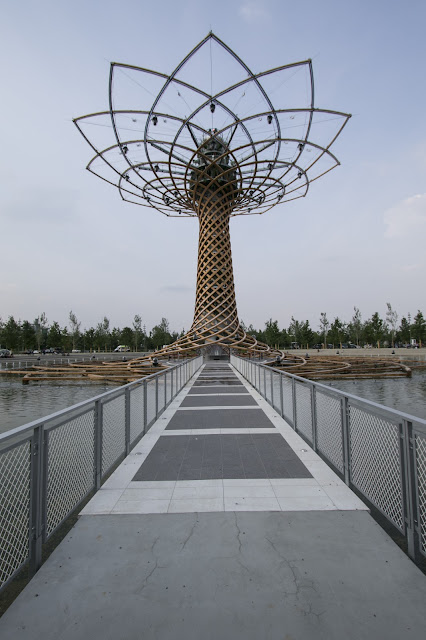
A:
x: 49, y: 466
x: 378, y: 451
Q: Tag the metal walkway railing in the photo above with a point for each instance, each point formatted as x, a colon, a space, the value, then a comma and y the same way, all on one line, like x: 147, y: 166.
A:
x: 50, y: 466
x: 379, y: 452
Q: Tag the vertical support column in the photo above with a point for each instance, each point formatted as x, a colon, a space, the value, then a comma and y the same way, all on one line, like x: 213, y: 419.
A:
x: 407, y: 456
x: 314, y: 417
x: 36, y: 500
x: 145, y: 406
x: 156, y: 397
x: 127, y: 421
x: 98, y: 443
x: 272, y: 388
x: 346, y: 440
x: 293, y: 395
x: 281, y: 396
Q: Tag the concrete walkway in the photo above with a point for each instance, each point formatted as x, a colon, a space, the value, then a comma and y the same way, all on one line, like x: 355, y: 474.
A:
x: 222, y: 523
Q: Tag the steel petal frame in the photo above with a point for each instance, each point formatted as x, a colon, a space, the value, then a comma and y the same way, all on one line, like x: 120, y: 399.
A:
x: 246, y: 166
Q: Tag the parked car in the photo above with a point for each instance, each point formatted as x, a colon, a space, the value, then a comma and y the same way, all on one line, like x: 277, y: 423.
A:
x: 76, y: 351
x: 5, y: 353
x: 121, y: 348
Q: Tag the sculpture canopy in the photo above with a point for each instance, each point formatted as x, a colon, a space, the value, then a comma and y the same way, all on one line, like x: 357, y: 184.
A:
x: 212, y: 140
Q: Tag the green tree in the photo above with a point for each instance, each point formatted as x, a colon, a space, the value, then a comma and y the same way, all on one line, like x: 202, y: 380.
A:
x: 28, y: 335
x: 137, y: 332
x: 12, y: 334
x: 355, y: 327
x: 89, y: 339
x: 272, y: 333
x: 374, y: 330
x: 75, y: 328
x: 66, y: 341
x: 54, y: 336
x: 392, y: 320
x: 324, y: 326
x: 337, y: 332
x: 403, y: 333
x: 102, y: 335
x: 160, y: 334
x: 126, y: 336
x: 40, y: 324
x: 419, y: 328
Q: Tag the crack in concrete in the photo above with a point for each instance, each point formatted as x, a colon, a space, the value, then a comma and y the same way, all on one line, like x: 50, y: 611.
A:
x: 300, y: 584
x: 240, y: 544
x: 189, y: 535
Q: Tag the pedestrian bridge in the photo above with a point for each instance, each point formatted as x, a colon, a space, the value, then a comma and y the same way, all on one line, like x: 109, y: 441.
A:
x: 222, y: 523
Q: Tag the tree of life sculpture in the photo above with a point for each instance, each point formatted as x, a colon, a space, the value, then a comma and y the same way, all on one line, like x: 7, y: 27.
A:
x: 212, y: 140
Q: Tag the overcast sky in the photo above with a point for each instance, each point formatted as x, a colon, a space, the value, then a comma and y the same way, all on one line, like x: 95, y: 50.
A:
x: 69, y: 242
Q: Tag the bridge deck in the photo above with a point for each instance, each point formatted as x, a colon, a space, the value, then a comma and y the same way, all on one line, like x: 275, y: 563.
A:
x: 222, y: 523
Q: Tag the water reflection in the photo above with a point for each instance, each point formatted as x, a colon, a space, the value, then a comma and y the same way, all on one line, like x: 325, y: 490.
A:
x: 20, y: 403
x: 404, y: 394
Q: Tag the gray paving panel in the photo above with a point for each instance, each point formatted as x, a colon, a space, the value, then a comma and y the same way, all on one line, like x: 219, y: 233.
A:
x: 206, y: 457
x: 220, y: 419
x: 217, y: 382
x: 240, y: 576
x: 217, y: 389
x: 218, y: 401
x: 221, y: 378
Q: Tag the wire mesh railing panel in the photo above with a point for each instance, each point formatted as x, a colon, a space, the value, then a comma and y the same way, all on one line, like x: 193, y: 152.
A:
x: 304, y: 410
x: 150, y: 401
x: 329, y: 428
x: 136, y: 412
x: 420, y: 449
x: 250, y: 373
x: 113, y: 432
x: 276, y: 391
x: 169, y: 389
x: 375, y: 462
x: 14, y: 509
x: 287, y: 399
x: 161, y: 392
x: 268, y: 385
x: 70, y: 469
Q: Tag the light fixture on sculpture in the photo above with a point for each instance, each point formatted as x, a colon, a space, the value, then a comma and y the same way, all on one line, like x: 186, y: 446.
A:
x: 215, y: 144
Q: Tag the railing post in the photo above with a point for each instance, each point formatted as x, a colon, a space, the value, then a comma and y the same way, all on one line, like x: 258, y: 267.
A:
x: 145, y: 406
x: 165, y: 388
x: 293, y: 395
x: 345, y: 440
x: 171, y: 385
x: 98, y: 443
x: 314, y: 417
x: 156, y: 397
x: 127, y: 422
x: 407, y: 455
x: 272, y: 388
x: 36, y: 500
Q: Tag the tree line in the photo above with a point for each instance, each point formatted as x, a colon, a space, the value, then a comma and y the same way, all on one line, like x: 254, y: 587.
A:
x: 39, y: 334
x: 375, y: 331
